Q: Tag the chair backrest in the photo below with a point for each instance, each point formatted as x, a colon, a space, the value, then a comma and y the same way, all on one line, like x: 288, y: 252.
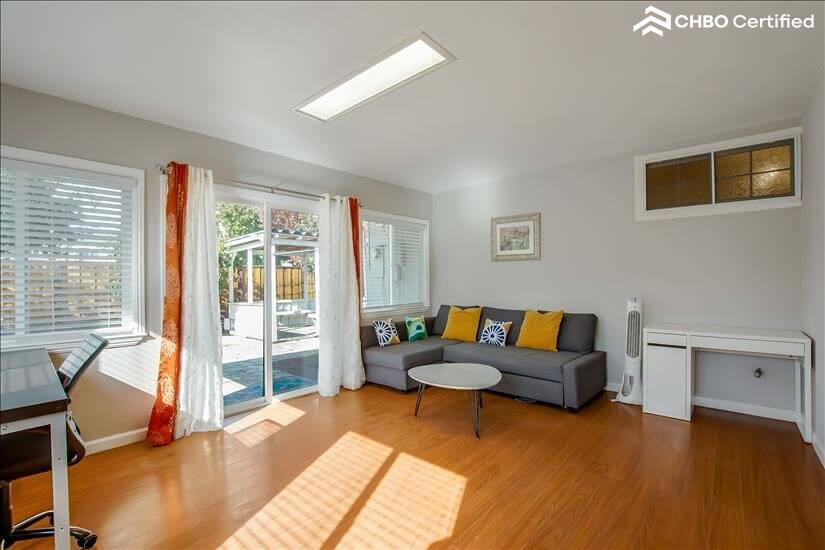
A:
x: 76, y: 448
x: 79, y: 360
x: 27, y: 452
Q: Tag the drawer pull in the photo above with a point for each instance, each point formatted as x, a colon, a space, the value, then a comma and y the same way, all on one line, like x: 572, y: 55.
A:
x: 666, y: 346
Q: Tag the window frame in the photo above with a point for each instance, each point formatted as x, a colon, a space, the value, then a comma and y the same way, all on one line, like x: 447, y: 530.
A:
x: 379, y: 312
x: 66, y: 341
x: 744, y: 205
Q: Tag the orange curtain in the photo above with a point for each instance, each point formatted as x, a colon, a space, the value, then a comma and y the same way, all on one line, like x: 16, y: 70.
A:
x: 162, y: 421
x: 355, y: 218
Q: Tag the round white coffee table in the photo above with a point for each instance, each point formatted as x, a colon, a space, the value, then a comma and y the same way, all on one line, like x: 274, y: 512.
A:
x: 468, y: 377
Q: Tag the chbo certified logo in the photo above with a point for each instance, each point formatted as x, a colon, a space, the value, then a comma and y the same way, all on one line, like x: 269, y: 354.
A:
x: 657, y: 21
x: 655, y: 18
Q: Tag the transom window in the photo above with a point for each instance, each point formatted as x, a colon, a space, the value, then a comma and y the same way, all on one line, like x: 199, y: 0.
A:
x: 69, y: 249
x: 754, y: 173
x: 679, y: 182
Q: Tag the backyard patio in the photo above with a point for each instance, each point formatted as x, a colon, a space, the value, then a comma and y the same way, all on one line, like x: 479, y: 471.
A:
x: 294, y: 366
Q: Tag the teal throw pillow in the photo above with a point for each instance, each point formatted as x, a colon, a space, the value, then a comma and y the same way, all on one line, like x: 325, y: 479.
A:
x: 416, y: 328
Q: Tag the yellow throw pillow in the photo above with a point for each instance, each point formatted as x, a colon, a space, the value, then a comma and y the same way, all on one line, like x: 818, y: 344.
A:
x: 540, y: 330
x: 462, y: 324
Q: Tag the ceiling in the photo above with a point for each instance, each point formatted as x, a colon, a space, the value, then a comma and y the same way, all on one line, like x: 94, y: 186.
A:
x: 534, y: 85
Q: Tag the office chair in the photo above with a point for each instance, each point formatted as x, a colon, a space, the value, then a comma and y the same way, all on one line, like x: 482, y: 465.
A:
x: 27, y: 453
x: 79, y: 360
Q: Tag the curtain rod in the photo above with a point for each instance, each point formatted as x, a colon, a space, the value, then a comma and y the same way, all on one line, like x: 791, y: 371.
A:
x: 161, y: 168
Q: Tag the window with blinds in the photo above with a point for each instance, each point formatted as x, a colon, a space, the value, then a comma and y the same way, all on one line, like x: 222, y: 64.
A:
x: 67, y: 253
x: 394, y: 263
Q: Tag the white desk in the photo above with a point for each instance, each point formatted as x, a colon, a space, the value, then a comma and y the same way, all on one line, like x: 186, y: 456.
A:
x: 668, y: 363
x: 31, y: 396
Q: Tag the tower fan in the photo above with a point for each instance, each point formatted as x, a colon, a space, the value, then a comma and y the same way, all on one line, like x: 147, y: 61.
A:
x: 631, y: 389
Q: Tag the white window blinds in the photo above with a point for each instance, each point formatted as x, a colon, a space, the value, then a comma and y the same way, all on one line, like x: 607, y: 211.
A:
x: 394, y: 260
x: 67, y: 251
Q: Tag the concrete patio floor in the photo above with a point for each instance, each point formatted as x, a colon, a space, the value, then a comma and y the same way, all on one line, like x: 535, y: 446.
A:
x: 294, y: 366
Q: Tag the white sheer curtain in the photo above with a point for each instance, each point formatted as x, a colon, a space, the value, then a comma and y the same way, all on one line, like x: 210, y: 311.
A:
x: 339, y: 315
x: 200, y: 399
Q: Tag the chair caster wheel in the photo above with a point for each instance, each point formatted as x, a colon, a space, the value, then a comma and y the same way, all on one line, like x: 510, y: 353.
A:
x: 87, y: 541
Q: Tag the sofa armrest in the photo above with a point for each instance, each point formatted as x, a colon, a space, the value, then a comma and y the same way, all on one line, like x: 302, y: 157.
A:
x: 584, y: 378
x: 368, y: 338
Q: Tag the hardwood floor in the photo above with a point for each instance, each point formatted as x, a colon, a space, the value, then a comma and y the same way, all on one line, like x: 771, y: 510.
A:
x: 360, y: 471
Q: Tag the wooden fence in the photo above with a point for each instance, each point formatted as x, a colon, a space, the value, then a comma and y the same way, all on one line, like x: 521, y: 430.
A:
x: 288, y: 283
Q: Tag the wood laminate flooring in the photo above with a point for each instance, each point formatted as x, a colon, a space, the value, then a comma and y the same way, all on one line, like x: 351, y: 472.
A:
x: 359, y: 471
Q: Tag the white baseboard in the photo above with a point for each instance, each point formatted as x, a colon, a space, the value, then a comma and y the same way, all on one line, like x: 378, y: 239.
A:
x: 116, y: 440
x: 613, y: 386
x: 746, y: 408
x: 820, y: 452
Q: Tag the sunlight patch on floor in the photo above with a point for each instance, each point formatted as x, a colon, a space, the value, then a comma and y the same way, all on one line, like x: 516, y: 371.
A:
x: 415, y: 504
x: 306, y: 512
x: 254, y: 427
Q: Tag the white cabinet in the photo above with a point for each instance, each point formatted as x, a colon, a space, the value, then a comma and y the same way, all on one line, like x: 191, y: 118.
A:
x: 667, y: 383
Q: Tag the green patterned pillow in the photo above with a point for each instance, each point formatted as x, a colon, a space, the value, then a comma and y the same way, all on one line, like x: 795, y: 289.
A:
x: 416, y: 328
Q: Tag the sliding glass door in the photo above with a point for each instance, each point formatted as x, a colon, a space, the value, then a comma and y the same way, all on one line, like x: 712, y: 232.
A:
x: 267, y: 299
x: 294, y: 313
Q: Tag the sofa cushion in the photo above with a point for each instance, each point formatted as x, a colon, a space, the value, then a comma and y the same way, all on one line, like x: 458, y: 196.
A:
x: 416, y: 328
x: 515, y: 316
x: 540, y: 330
x: 408, y: 354
x: 462, y: 324
x: 577, y: 332
x: 545, y: 365
x: 494, y: 333
x: 385, y: 332
x: 441, y: 318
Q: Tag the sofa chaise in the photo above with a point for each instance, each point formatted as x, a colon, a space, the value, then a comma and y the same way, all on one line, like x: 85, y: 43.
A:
x: 569, y: 377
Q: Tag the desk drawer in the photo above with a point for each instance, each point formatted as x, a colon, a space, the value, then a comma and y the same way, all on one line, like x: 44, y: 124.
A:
x: 745, y: 345
x: 667, y: 339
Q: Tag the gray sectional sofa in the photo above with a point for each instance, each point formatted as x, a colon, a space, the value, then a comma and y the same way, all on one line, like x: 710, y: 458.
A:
x: 569, y: 377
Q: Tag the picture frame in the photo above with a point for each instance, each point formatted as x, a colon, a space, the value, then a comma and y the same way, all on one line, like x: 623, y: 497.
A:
x: 515, y: 238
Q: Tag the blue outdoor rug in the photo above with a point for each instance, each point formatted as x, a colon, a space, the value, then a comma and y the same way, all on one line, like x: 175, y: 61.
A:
x: 248, y: 373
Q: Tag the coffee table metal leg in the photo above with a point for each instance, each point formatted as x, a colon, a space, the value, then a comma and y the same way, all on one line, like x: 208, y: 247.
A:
x: 472, y: 405
x: 480, y: 400
x: 418, y: 399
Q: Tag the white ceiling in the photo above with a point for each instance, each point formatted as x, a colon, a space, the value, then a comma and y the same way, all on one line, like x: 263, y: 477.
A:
x: 534, y: 84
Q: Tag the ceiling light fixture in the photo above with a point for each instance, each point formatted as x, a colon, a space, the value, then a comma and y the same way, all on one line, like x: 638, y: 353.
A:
x: 403, y: 63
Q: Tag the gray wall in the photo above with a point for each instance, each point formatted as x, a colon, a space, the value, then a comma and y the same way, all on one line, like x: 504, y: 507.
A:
x: 813, y: 246
x: 117, y: 395
x: 736, y: 269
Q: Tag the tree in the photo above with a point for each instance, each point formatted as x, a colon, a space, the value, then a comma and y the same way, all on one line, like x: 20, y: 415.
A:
x: 290, y: 220
x: 234, y: 220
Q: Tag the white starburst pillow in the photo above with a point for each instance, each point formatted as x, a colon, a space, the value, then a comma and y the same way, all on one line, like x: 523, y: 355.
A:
x: 386, y: 332
x: 495, y: 332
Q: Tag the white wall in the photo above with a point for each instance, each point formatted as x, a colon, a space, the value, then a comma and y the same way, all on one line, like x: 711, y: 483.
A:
x: 117, y: 394
x: 813, y: 246
x: 736, y: 269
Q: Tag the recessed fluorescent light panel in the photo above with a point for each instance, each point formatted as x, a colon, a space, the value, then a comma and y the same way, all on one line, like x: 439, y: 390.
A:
x: 407, y: 61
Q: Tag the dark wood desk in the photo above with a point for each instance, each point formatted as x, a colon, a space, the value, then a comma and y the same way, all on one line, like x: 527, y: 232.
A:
x: 32, y: 396
x: 29, y: 386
